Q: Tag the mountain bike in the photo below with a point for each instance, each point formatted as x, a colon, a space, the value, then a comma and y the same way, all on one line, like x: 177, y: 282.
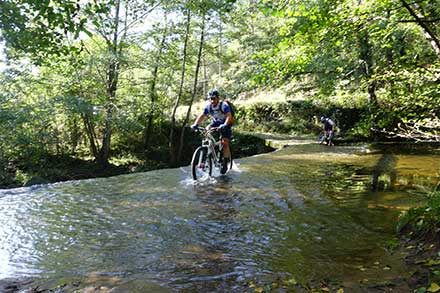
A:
x: 209, y: 155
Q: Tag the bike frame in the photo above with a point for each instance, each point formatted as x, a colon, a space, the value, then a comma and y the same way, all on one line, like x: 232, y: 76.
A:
x: 209, y: 141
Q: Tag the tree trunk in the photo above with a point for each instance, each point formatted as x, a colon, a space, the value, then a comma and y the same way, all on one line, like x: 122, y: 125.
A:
x: 220, y: 52
x: 205, y: 78
x: 91, y: 135
x: 194, y: 91
x: 152, y: 92
x: 173, y: 155
x: 104, y: 153
x: 112, y: 82
x: 366, y: 55
x: 75, y: 134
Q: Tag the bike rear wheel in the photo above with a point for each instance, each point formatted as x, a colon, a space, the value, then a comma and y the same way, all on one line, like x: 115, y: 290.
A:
x: 232, y: 158
x: 201, y: 163
x: 229, y: 163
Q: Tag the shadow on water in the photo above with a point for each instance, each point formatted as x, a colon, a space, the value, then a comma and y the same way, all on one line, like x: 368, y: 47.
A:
x: 306, y: 213
x: 385, y: 168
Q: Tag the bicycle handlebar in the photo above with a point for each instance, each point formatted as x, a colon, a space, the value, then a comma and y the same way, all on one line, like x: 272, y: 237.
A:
x: 211, y: 129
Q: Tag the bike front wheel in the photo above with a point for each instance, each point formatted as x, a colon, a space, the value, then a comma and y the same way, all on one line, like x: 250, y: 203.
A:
x: 201, y: 163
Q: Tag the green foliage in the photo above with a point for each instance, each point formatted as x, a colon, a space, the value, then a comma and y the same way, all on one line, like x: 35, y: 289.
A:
x: 301, y: 117
x: 7, y: 172
x: 393, y: 244
x: 423, y: 220
x: 367, y: 64
x: 359, y: 48
x: 26, y: 118
x: 408, y: 95
x: 40, y: 28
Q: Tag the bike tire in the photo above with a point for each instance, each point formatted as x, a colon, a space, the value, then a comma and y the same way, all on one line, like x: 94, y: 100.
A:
x: 201, y: 163
x: 231, y: 158
x: 222, y: 171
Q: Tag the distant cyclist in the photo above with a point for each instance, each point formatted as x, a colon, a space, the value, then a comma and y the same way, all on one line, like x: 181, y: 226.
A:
x: 328, y: 126
x: 221, y: 114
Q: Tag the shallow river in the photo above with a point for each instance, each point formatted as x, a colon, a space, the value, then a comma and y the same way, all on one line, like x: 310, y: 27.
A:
x: 305, y: 213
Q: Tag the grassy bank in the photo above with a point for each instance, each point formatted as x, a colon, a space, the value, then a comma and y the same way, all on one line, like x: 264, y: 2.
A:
x: 420, y: 238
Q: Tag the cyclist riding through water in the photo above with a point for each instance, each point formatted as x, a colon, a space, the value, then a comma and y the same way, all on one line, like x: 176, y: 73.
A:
x: 222, y: 118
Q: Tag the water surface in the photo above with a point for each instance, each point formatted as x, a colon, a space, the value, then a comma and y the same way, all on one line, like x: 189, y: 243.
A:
x: 304, y: 213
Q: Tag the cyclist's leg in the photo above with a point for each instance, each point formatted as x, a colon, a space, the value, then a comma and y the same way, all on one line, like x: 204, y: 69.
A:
x: 327, y: 135
x: 226, y: 150
x: 226, y: 135
x: 331, y: 136
x: 322, y: 137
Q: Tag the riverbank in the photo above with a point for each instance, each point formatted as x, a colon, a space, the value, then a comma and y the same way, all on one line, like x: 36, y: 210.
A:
x: 51, y: 168
x: 423, y: 255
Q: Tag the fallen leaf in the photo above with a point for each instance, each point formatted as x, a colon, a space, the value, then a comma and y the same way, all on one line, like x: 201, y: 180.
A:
x: 434, y: 287
x: 432, y: 262
x: 291, y: 282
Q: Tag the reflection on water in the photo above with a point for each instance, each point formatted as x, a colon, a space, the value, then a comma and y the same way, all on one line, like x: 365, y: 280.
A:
x: 307, y: 212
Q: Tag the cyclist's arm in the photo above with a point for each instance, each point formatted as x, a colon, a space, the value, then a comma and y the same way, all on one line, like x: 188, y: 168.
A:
x: 229, y: 119
x: 200, y: 119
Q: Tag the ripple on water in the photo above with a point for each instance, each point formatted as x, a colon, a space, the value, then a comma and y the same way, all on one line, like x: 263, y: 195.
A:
x: 307, y: 212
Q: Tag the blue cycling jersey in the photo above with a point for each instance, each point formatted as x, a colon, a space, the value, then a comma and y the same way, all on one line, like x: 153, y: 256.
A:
x: 218, y: 113
x: 328, y: 124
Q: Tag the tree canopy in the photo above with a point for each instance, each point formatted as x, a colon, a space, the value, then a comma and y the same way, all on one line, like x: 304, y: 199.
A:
x: 112, y: 78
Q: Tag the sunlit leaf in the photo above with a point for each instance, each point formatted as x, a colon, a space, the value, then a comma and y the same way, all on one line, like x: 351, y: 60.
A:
x: 432, y: 262
x: 291, y: 282
x: 434, y: 287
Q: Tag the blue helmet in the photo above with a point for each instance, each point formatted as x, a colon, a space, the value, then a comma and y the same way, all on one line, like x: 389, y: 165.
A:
x: 213, y: 94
